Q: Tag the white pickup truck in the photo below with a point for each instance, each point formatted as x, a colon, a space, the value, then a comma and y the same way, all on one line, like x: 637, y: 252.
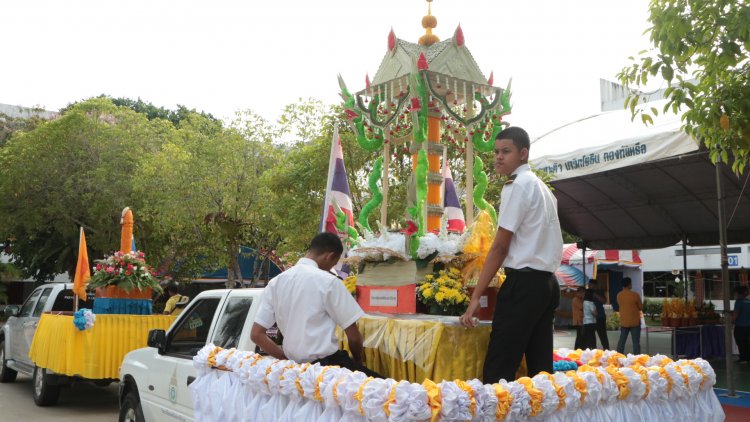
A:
x: 154, y: 380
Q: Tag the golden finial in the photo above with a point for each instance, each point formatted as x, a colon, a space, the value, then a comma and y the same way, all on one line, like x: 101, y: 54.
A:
x: 429, y: 23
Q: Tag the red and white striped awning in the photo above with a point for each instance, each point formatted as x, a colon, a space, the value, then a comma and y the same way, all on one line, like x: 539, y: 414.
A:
x: 574, y: 256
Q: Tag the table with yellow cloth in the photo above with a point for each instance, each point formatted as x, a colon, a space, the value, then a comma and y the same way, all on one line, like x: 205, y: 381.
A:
x: 415, y: 347
x: 97, y: 352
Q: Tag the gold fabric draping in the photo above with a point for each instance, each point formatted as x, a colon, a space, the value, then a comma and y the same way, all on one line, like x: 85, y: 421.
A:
x: 95, y: 353
x: 414, y: 348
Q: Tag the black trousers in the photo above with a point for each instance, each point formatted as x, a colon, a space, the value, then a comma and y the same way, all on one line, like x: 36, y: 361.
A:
x: 522, y: 325
x: 589, y: 336
x: 342, y: 359
x: 579, y: 337
x: 601, y: 329
x: 742, y: 337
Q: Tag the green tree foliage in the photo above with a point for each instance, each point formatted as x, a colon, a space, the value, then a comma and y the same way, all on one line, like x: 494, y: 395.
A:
x: 202, y: 194
x: 153, y: 112
x: 70, y: 172
x: 701, y: 49
x: 10, y: 125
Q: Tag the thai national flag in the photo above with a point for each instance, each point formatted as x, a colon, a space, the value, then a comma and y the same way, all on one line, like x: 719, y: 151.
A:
x: 337, y: 189
x: 452, y: 208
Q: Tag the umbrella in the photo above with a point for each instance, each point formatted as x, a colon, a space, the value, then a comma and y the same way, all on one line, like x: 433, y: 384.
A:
x: 570, y: 278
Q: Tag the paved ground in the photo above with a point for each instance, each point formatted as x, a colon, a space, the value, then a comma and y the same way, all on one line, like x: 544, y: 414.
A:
x: 81, y: 402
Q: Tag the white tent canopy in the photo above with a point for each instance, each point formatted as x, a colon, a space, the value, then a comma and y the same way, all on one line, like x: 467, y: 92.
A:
x: 609, y: 141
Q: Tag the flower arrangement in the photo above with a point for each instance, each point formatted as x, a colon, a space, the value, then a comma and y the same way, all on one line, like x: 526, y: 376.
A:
x: 444, y: 293
x: 127, y: 271
x: 351, y: 284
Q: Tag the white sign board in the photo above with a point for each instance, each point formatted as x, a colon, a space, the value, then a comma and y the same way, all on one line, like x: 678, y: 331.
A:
x: 384, y: 297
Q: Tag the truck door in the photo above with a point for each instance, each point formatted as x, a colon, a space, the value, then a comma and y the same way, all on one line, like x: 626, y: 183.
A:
x: 30, y: 324
x: 167, y: 395
x: 16, y: 327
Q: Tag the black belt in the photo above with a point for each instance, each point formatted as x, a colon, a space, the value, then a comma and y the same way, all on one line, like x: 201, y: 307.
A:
x: 509, y: 271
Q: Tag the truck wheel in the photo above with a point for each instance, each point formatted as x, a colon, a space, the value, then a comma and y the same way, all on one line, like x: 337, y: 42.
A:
x: 6, y: 374
x: 45, y: 394
x: 131, y: 410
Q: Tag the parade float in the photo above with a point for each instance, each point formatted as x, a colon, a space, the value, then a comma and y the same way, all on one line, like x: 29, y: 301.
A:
x: 91, y: 343
x: 415, y: 278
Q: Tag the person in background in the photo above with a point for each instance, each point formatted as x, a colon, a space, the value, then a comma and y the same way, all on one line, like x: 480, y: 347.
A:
x: 176, y: 302
x: 741, y: 319
x: 589, y: 321
x: 307, y: 302
x: 601, y: 315
x: 577, y: 308
x: 630, y: 316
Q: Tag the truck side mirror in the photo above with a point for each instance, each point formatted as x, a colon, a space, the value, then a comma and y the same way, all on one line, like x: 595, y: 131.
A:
x: 12, y: 310
x: 157, y: 339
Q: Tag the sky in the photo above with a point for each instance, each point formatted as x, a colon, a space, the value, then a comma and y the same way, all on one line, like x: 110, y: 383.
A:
x: 221, y: 56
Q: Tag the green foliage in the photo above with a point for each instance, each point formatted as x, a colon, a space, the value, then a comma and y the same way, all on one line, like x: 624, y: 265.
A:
x: 70, y: 172
x: 202, y: 194
x: 153, y: 112
x: 652, y: 307
x: 701, y: 49
x: 10, y: 125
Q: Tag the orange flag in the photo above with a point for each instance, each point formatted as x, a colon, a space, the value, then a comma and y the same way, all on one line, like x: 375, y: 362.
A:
x: 83, y: 271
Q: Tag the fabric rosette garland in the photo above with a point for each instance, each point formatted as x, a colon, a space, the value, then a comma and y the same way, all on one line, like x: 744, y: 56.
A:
x: 235, y: 384
x: 84, y: 319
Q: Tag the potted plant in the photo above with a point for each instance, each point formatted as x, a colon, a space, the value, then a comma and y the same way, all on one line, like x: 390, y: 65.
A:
x: 124, y: 276
x: 443, y: 293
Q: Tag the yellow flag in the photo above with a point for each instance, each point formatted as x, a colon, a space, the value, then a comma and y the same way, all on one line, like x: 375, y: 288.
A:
x: 83, y: 271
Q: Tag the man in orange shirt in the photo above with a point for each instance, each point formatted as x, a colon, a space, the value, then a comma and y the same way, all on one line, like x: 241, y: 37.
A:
x: 630, y: 306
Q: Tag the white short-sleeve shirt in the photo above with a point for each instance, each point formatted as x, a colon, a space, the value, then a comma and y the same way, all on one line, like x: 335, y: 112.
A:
x: 529, y: 210
x: 307, y: 303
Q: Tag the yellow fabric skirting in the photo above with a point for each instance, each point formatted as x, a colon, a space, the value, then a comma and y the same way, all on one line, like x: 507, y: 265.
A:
x: 415, y: 349
x: 95, y: 353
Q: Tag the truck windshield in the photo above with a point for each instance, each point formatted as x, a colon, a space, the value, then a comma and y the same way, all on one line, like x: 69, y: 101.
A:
x: 232, y: 320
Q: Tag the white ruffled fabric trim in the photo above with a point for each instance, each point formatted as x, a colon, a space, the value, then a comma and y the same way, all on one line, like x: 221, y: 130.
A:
x: 249, y: 387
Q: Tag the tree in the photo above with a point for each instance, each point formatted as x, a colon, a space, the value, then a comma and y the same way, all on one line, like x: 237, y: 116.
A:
x: 701, y: 49
x: 153, y: 112
x: 202, y: 193
x: 70, y: 172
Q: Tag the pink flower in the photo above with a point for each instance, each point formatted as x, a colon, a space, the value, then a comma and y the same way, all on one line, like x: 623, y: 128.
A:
x: 130, y: 267
x: 98, y: 267
x: 110, y: 270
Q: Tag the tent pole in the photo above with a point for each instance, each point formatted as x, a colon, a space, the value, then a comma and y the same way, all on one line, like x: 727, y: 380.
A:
x: 725, y: 282
x: 684, y: 266
x: 583, y: 260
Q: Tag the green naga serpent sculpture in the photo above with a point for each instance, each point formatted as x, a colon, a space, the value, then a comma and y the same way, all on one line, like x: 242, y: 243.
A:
x: 421, y: 104
x: 483, y: 139
x: 481, y: 179
x: 377, y: 195
x: 365, y: 142
x: 350, y: 232
x: 416, y: 211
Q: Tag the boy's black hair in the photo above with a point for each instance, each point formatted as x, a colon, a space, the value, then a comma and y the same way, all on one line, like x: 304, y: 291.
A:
x: 326, y: 242
x: 627, y: 282
x: 519, y: 137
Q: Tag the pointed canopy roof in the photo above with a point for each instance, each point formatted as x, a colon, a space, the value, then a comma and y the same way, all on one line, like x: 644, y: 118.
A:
x: 445, y: 57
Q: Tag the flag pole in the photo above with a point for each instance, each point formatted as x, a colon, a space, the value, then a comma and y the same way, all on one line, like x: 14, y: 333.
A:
x: 329, y: 182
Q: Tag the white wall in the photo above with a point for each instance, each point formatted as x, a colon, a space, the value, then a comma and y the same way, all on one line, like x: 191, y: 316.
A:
x: 702, y: 258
